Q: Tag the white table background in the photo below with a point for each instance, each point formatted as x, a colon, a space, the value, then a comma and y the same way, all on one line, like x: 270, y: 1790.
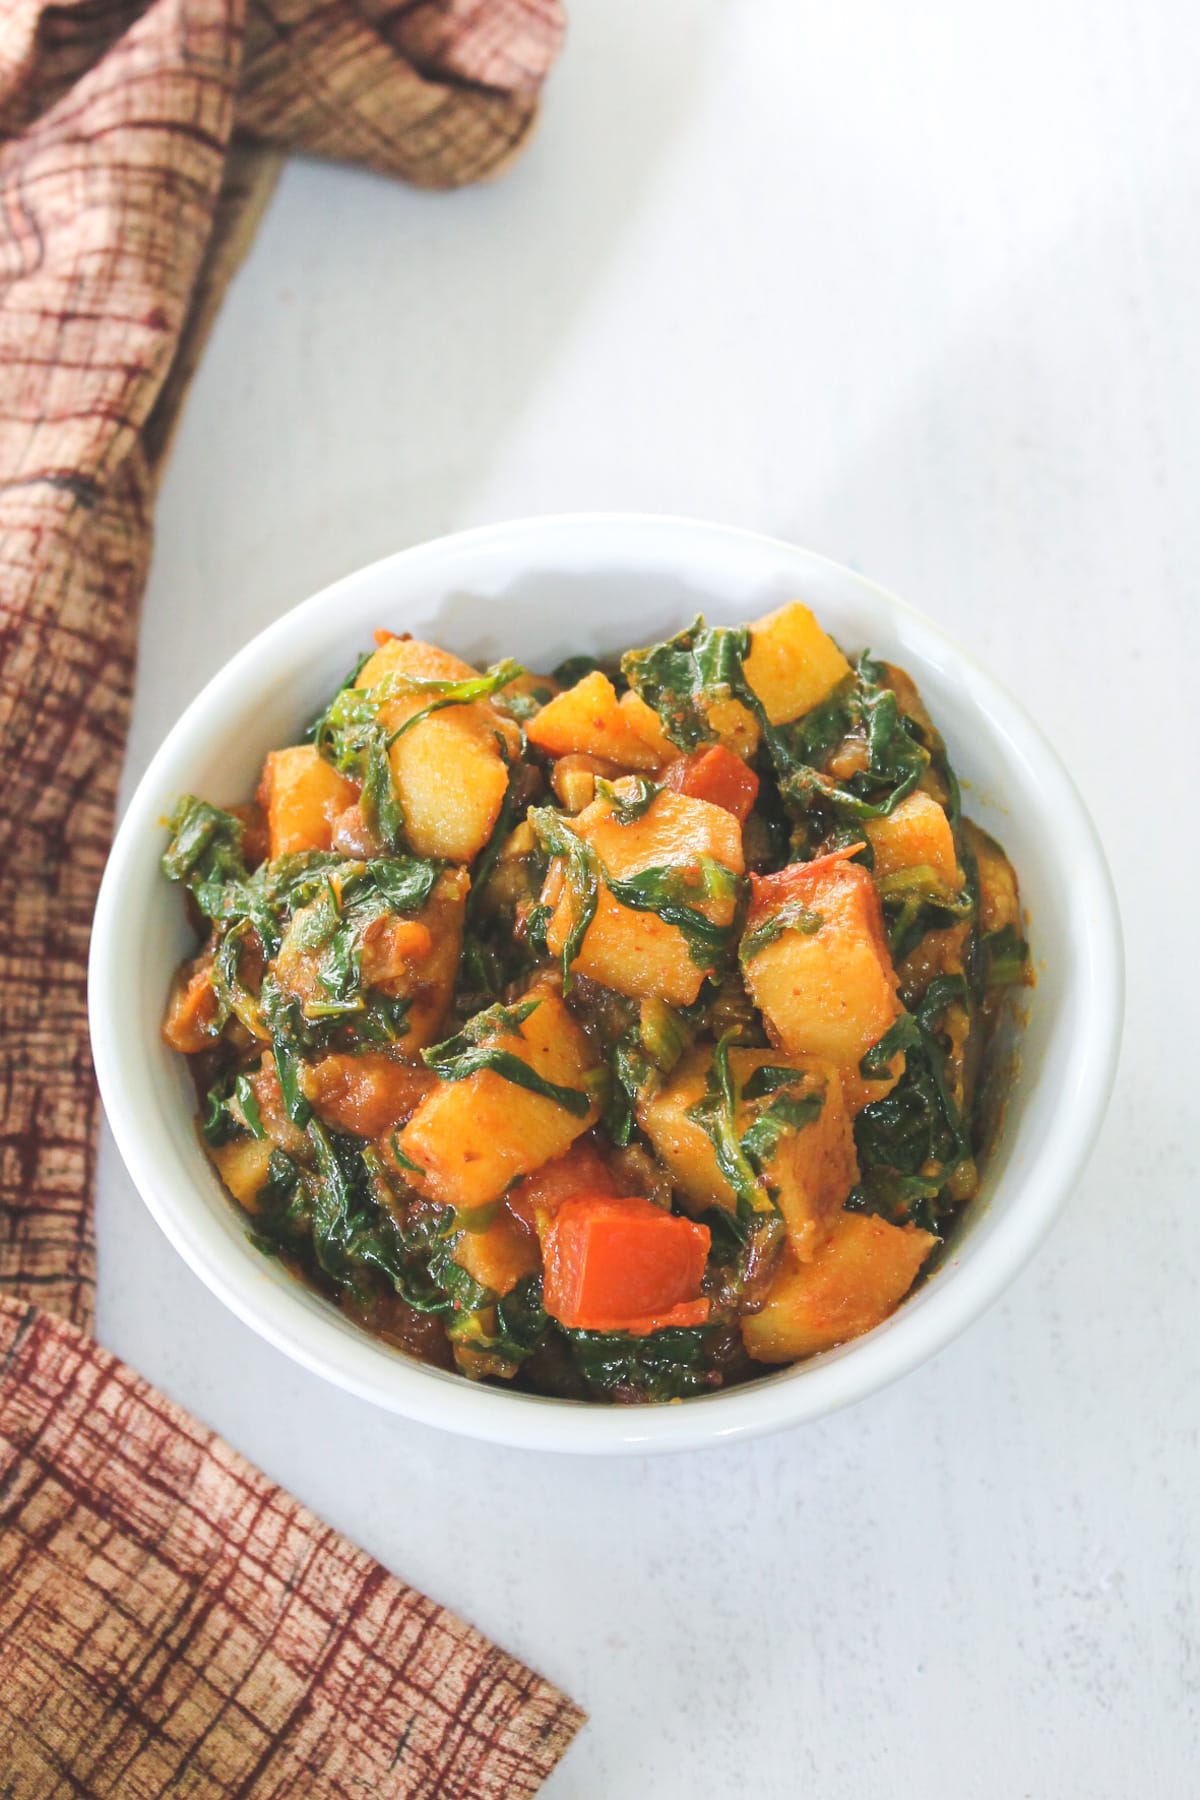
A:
x: 917, y: 287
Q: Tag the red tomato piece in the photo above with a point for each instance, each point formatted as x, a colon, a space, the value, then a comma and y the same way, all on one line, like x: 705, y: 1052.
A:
x: 718, y: 776
x: 623, y: 1264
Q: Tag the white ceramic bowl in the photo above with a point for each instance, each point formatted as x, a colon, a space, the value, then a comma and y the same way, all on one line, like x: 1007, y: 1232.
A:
x: 541, y: 589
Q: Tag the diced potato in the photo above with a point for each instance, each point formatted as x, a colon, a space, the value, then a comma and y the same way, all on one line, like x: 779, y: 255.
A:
x: 471, y: 1138
x: 915, y: 835
x: 301, y: 795
x: 636, y: 952
x: 645, y: 722
x: 826, y: 984
x: 242, y: 1165
x: 813, y: 1169
x: 683, y: 1146
x: 856, y: 1279
x: 367, y: 1094
x: 792, y: 665
x: 409, y: 656
x: 500, y: 1255
x: 449, y: 769
x: 999, y: 898
x: 450, y: 778
x: 589, y: 720
x: 736, y: 727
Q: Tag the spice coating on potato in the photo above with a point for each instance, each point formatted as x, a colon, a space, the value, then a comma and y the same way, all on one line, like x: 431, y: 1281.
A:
x: 471, y: 1138
x: 636, y: 951
x: 853, y: 1284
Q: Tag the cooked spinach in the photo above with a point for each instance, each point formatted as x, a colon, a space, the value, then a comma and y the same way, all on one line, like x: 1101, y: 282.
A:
x: 472, y: 1050
x: 911, y: 1141
x: 664, y: 1365
x: 1006, y: 958
x: 716, y: 1114
x: 581, y: 874
x: 793, y: 915
x: 627, y: 808
x: 206, y: 844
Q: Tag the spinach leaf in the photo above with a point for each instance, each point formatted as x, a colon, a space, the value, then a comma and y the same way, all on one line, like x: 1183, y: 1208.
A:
x: 469, y: 1052
x: 915, y: 1134
x: 716, y: 1114
x: 287, y: 1068
x: 664, y: 1365
x: 454, y: 693
x: 638, y: 1060
x: 787, y: 1113
x: 1006, y: 958
x: 687, y: 675
x: 916, y: 901
x: 580, y: 871
x: 668, y: 892
x: 206, y: 844
x: 793, y: 915
x: 627, y: 808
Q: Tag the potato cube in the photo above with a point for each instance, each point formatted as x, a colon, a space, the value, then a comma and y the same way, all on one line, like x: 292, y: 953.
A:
x: 915, y: 835
x: 645, y: 721
x: 409, y: 656
x: 681, y: 1145
x: 792, y: 665
x: 825, y: 984
x: 589, y: 720
x: 450, y: 778
x: 449, y: 769
x: 811, y: 1171
x: 471, y: 1138
x: 856, y: 1279
x: 634, y: 951
x: 301, y: 795
x: 501, y: 1254
x: 242, y: 1165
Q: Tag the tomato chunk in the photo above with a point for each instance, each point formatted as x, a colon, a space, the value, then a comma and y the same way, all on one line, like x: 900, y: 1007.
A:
x: 624, y: 1265
x: 719, y: 777
x: 795, y: 882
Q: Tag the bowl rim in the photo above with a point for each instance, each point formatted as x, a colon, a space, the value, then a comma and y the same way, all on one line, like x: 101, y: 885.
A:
x: 358, y: 1363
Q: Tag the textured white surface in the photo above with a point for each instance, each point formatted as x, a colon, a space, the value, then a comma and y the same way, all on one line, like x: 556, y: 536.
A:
x: 916, y: 287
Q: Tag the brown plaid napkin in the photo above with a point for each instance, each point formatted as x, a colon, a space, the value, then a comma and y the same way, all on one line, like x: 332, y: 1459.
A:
x: 170, y: 1621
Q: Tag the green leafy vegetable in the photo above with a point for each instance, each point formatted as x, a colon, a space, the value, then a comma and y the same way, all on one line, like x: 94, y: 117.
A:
x: 683, y: 678
x: 581, y: 872
x: 470, y: 1051
x: 793, y: 915
x: 206, y: 844
x: 664, y: 1365
x: 716, y: 1114
x: 1006, y: 956
x: 626, y: 808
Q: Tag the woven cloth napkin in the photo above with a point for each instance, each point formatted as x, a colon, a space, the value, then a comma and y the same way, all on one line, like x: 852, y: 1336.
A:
x: 170, y: 1621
